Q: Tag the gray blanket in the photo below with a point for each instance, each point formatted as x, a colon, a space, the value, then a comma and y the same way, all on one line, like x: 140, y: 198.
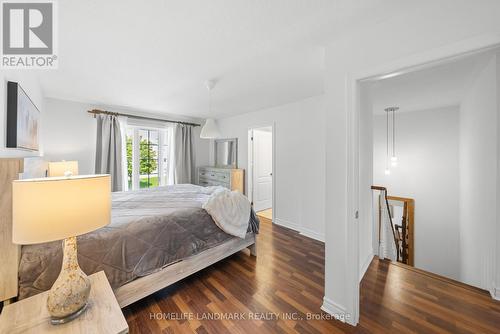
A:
x: 149, y: 229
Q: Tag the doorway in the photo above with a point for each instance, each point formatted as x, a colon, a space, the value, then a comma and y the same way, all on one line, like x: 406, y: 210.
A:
x: 260, y: 178
x: 433, y: 134
x: 359, y: 201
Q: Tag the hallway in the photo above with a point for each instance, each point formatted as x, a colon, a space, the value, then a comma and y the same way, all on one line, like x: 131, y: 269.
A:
x: 266, y: 214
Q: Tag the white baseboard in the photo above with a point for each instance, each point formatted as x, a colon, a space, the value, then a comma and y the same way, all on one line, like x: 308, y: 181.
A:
x: 287, y: 224
x: 365, y: 266
x: 495, y: 292
x: 338, y: 312
x: 312, y: 234
x: 302, y: 230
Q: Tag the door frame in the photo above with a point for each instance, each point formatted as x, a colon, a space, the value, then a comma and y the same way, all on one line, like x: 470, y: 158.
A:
x: 250, y: 170
x: 353, y: 82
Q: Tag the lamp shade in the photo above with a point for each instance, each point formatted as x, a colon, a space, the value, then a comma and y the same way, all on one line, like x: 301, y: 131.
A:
x: 59, y: 168
x: 210, y: 130
x: 56, y: 208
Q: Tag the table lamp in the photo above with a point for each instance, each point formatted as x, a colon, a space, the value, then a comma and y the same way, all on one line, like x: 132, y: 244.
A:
x: 63, y: 168
x: 61, y: 208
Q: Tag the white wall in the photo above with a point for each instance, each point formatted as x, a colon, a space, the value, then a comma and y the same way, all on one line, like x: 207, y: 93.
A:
x: 365, y: 231
x: 69, y: 133
x: 201, y: 150
x: 428, y: 172
x: 299, y: 156
x: 495, y: 286
x: 29, y: 82
x: 478, y: 176
x: 421, y: 31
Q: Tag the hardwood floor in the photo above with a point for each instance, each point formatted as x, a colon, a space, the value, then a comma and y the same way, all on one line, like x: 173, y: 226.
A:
x: 398, y: 298
x: 267, y: 214
x: 285, y: 283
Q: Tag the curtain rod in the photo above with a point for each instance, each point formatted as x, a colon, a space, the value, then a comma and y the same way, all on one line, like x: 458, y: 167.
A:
x: 97, y: 111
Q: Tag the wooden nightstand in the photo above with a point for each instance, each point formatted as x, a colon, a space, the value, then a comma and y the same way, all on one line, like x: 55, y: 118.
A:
x: 103, y: 314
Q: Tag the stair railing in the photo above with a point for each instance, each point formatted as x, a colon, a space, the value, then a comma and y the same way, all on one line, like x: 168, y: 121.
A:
x: 383, y: 190
x: 406, y: 229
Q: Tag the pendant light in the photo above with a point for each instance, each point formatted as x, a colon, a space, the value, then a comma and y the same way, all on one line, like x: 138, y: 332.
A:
x: 387, y: 169
x: 393, y: 159
x: 210, y: 130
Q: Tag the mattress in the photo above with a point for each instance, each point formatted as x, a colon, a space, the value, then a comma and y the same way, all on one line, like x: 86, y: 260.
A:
x: 149, y: 230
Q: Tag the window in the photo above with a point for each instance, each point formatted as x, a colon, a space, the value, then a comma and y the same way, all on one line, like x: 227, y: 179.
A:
x: 147, y: 157
x: 130, y: 141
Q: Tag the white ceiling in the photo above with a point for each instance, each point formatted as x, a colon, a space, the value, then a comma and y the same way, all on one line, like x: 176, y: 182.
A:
x: 438, y: 86
x: 155, y: 55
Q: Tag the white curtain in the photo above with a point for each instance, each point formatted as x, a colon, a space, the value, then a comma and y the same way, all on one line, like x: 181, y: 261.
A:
x: 108, y: 158
x: 123, y: 121
x: 183, y: 154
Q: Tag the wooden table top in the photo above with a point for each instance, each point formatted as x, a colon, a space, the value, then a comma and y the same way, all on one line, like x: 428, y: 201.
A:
x: 103, y: 314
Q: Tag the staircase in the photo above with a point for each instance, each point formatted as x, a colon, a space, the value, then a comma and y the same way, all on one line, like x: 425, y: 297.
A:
x: 402, y: 231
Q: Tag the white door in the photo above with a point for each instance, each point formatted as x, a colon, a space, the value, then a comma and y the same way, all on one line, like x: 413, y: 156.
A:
x: 262, y: 169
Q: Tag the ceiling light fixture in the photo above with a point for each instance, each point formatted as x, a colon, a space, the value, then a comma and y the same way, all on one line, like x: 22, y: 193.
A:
x: 394, y: 158
x: 210, y: 130
x: 387, y: 169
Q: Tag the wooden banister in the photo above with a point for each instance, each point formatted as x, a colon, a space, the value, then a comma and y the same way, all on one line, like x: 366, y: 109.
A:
x: 403, y: 234
x: 408, y: 223
x: 396, y: 243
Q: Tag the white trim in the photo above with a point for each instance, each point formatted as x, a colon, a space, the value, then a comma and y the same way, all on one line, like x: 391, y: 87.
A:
x: 430, y: 58
x: 365, y: 266
x: 401, y: 65
x: 123, y: 132
x: 302, y: 230
x: 335, y: 310
x: 249, y: 173
x: 164, y: 133
x: 312, y: 234
x: 273, y: 126
x: 495, y: 292
x: 135, y: 158
x: 287, y: 224
x: 352, y: 196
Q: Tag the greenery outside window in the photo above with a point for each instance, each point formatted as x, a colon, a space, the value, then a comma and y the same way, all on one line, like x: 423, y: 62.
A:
x: 147, y: 157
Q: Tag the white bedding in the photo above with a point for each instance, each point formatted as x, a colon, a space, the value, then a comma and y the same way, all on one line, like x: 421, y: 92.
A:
x: 229, y: 210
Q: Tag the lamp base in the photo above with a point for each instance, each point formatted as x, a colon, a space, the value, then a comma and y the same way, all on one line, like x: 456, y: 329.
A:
x: 66, y: 319
x: 67, y: 299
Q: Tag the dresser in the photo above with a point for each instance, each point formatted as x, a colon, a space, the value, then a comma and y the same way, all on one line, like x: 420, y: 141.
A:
x: 231, y: 178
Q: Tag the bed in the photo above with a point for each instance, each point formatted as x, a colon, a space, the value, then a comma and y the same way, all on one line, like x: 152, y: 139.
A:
x: 156, y: 237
